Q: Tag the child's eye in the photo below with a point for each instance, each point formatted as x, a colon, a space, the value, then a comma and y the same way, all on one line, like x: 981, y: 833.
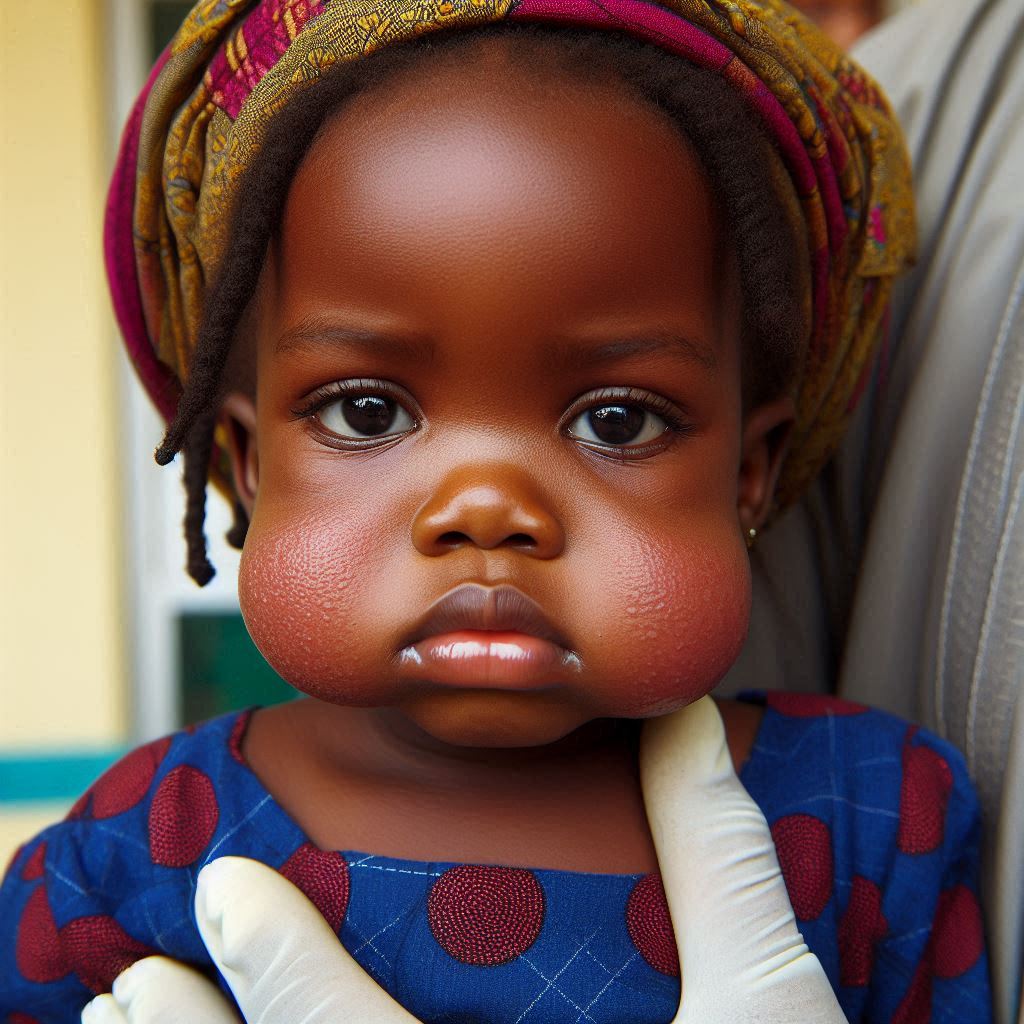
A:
x: 627, y: 422
x: 618, y: 425
x: 359, y: 413
x: 365, y: 416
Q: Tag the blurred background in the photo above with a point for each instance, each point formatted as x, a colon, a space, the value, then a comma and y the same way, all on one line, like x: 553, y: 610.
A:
x: 104, y: 642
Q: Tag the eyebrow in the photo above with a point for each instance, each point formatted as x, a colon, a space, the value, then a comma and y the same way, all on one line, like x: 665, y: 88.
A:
x: 317, y: 333
x: 579, y: 354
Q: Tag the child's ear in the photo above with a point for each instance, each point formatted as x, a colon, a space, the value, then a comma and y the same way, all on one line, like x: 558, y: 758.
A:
x: 766, y: 431
x: 238, y: 417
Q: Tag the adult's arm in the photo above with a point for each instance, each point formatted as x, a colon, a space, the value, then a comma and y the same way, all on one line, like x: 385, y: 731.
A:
x: 899, y: 580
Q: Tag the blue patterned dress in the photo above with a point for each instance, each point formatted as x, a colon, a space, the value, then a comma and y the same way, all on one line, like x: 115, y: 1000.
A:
x: 875, y: 822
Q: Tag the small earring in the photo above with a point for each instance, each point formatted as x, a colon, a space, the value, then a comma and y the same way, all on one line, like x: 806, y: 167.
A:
x: 751, y: 538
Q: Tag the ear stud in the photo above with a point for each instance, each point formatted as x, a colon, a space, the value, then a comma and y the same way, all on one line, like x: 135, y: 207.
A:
x: 751, y: 537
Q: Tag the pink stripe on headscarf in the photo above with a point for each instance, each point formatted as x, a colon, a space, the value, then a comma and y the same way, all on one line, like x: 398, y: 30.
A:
x: 655, y: 24
x: 119, y: 255
x: 266, y: 33
x: 835, y: 215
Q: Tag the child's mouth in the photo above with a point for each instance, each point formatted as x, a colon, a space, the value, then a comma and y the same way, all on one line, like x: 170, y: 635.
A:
x: 489, y: 637
x: 486, y: 658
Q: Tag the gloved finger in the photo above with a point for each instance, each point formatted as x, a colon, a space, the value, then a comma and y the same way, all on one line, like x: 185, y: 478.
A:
x: 103, y: 1010
x: 158, y: 990
x: 282, y: 960
x: 733, y: 919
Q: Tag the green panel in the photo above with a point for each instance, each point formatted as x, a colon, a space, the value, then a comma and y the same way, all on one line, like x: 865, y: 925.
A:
x: 164, y: 18
x: 221, y: 669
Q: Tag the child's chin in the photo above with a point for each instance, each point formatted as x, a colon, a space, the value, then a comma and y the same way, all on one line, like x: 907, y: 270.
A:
x: 494, y: 719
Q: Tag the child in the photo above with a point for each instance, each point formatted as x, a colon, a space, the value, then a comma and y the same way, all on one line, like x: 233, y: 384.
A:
x: 509, y: 329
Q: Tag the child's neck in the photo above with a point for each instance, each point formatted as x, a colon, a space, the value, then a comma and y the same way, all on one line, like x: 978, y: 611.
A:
x: 401, y: 745
x: 369, y: 780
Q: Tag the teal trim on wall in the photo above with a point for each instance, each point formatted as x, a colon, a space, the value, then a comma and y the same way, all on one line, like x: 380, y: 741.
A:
x: 26, y: 778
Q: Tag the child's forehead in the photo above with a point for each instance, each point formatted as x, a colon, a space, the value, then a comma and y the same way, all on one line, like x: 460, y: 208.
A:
x: 513, y: 210
x: 503, y: 110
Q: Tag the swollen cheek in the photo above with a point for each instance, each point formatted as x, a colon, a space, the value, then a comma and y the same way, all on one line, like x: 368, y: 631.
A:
x: 685, y: 622
x: 296, y: 591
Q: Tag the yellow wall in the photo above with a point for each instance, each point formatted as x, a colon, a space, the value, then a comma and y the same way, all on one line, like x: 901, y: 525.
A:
x: 61, y: 662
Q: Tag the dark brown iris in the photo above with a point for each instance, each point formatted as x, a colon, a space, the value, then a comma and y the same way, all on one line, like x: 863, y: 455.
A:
x: 616, y: 424
x: 369, y: 414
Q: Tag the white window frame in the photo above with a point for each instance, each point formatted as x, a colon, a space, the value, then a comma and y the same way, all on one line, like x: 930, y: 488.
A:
x: 158, y: 592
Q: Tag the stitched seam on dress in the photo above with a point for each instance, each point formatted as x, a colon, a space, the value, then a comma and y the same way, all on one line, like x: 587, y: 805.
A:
x: 611, y: 981
x: 551, y: 982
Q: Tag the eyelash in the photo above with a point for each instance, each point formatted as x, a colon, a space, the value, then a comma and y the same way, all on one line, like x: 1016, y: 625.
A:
x: 327, y: 393
x: 678, y: 423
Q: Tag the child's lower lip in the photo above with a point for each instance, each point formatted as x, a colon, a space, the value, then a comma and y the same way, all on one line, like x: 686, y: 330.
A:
x: 488, y: 659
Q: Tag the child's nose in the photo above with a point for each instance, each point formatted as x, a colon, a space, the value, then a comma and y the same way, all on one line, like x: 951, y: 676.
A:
x: 499, y: 511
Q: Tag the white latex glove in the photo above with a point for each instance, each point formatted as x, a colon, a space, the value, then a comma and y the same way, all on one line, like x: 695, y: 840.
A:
x: 741, y: 954
x: 742, y: 957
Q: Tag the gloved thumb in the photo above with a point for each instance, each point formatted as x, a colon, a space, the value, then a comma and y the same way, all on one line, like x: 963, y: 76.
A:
x: 741, y: 954
x: 278, y: 954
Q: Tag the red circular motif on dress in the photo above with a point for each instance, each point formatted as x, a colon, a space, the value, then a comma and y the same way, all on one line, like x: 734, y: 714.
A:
x: 650, y: 926
x: 37, y: 948
x: 122, y: 787
x: 862, y: 925
x: 98, y: 949
x: 238, y: 731
x: 804, y: 846
x: 486, y: 915
x: 78, y: 808
x: 957, y: 934
x: 20, y: 1018
x: 924, y: 793
x: 323, y: 877
x: 33, y: 868
x: 916, y: 1005
x: 13, y: 860
x: 182, y: 817
x: 811, y: 705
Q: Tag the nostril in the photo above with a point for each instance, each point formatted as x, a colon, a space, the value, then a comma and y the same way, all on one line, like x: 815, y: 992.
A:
x: 455, y: 539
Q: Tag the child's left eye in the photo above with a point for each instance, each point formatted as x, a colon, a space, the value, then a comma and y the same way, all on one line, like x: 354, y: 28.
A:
x: 626, y: 422
x: 618, y: 424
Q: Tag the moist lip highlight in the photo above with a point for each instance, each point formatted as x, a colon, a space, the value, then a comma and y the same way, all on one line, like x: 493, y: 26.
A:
x: 481, y: 659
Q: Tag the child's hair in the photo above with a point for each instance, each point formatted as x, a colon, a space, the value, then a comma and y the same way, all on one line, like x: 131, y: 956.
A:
x: 737, y: 157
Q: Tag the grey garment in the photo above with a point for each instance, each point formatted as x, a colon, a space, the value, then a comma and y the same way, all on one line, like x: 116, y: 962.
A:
x: 899, y: 581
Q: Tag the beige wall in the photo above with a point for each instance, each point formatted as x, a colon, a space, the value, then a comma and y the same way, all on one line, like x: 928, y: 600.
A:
x: 61, y: 663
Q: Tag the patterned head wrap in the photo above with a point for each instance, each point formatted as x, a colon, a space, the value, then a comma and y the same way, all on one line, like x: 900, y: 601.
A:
x: 206, y: 107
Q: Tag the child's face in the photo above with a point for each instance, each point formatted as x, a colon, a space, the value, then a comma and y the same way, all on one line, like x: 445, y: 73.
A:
x: 498, y: 345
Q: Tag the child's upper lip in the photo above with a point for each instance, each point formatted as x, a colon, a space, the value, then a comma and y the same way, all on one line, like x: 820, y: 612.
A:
x: 473, y: 606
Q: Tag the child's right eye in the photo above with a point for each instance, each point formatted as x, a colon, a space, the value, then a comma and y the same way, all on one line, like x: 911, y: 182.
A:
x: 365, y: 416
x: 359, y: 413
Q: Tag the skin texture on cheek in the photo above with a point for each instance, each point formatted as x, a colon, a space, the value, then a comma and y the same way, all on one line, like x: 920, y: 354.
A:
x: 296, y: 591
x: 659, y: 619
x: 686, y: 609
